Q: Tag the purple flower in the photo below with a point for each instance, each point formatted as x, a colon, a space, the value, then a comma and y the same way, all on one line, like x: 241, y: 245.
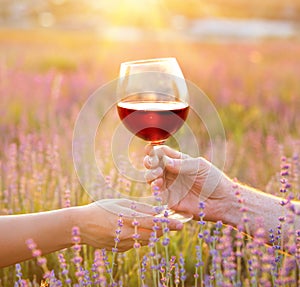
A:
x: 219, y: 224
x: 77, y: 259
x: 135, y: 222
x: 166, y: 229
x: 75, y: 231
x: 36, y: 252
x: 165, y: 241
x: 67, y: 201
x: 155, y: 227
x: 182, y: 268
x: 201, y: 205
x: 31, y: 244
x: 80, y: 274
x: 136, y: 245
x: 118, y: 232
x: 143, y: 267
x: 98, y: 267
x: 21, y: 282
x: 136, y: 236
x: 120, y: 220
x: 133, y: 205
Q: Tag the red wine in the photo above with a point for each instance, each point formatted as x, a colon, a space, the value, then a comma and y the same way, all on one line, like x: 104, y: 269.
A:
x: 152, y: 121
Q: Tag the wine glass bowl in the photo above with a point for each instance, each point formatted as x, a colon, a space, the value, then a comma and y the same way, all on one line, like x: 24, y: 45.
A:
x: 153, y: 98
x: 153, y: 101
x: 152, y: 120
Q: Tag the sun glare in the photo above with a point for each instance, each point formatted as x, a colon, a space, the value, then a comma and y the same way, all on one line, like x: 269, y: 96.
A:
x: 142, y: 13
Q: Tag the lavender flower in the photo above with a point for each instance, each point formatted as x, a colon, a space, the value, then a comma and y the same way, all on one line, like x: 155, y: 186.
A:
x: 67, y: 200
x: 182, y: 271
x: 64, y: 268
x: 77, y: 259
x: 98, y: 269
x: 143, y: 267
x: 20, y: 282
x: 118, y: 232
x: 36, y: 253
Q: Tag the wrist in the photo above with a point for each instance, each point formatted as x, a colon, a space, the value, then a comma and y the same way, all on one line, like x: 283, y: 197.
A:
x: 72, y: 219
x: 85, y: 218
x: 230, y: 205
x: 51, y: 230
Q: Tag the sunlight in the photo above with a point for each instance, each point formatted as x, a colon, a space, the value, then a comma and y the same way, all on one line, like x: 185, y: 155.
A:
x: 145, y: 13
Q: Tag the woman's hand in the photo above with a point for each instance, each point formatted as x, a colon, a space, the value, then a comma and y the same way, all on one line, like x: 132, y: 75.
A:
x: 98, y: 223
x: 186, y: 181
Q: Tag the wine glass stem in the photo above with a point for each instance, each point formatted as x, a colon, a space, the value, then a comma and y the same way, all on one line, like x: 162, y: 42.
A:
x: 164, y: 197
x: 163, y: 206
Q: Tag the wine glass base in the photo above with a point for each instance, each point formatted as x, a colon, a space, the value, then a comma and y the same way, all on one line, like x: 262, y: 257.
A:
x: 180, y: 216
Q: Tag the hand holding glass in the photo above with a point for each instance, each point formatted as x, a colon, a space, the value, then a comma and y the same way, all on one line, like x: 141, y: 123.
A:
x: 153, y: 102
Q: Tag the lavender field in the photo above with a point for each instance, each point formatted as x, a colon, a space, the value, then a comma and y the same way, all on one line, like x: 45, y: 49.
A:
x: 45, y: 78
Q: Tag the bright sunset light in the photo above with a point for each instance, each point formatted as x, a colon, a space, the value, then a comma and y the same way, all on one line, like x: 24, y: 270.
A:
x: 88, y: 191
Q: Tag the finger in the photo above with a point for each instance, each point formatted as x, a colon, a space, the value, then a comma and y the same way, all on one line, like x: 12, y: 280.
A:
x: 148, y: 149
x: 145, y: 235
x: 142, y: 213
x: 175, y: 224
x: 162, y: 150
x: 151, y: 161
x: 157, y: 184
x: 149, y: 222
x: 153, y: 174
x: 144, y: 210
x: 188, y: 165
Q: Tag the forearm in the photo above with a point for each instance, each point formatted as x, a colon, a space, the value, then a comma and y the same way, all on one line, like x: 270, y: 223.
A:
x: 252, y: 207
x: 51, y: 231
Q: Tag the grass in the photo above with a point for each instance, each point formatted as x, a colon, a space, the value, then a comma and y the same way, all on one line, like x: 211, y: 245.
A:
x: 46, y: 76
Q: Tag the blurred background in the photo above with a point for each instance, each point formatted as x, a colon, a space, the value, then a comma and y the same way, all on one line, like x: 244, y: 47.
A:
x: 243, y: 54
x: 124, y: 19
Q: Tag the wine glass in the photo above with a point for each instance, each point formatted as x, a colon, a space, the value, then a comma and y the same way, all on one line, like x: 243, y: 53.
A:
x: 153, y: 104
